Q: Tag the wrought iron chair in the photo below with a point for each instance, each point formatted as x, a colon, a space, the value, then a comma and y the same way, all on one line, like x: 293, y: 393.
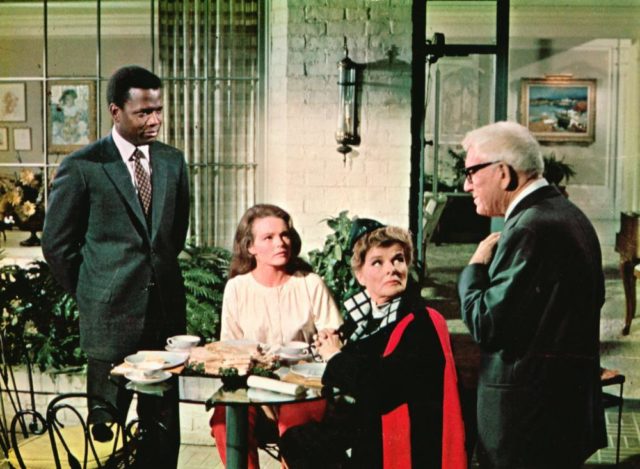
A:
x: 30, y: 438
x: 19, y: 419
x: 72, y: 437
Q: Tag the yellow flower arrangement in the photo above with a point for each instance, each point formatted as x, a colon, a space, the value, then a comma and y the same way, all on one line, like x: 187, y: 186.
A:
x: 22, y: 200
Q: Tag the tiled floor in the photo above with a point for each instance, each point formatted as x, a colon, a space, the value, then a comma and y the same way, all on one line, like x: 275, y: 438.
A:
x: 629, y: 436
x: 196, y: 457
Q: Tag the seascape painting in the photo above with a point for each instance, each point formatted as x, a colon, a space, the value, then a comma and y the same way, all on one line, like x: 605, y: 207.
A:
x: 559, y: 109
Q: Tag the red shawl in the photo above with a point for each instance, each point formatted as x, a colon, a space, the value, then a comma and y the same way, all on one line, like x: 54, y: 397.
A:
x: 396, y: 428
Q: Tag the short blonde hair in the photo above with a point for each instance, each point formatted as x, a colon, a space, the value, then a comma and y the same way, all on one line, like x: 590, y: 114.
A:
x: 385, y: 237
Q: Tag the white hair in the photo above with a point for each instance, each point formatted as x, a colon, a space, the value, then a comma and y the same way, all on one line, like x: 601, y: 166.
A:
x: 509, y: 142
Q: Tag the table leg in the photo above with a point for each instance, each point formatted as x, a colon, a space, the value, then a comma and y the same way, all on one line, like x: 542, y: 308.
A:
x: 629, y: 283
x: 237, y: 447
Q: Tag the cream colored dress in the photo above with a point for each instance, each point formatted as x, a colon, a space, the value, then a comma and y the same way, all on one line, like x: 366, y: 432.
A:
x: 295, y: 310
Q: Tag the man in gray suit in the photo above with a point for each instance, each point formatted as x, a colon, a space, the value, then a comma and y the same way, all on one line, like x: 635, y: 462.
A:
x: 117, y: 219
x: 531, y: 298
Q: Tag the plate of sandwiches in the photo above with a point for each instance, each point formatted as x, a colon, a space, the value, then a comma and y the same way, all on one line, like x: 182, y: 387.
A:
x: 243, y: 355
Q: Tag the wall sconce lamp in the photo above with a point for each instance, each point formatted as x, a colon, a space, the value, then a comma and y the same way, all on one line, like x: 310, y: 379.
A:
x: 347, y: 128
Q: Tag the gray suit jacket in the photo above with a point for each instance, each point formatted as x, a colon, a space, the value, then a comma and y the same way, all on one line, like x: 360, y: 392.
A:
x: 99, y: 247
x: 535, y: 312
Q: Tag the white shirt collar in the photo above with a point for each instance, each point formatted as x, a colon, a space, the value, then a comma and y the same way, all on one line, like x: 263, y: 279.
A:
x: 534, y: 186
x: 127, y: 148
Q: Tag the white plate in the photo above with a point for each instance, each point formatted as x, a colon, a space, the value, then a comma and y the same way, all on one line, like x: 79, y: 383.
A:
x: 169, y: 359
x: 309, y: 370
x: 138, y: 377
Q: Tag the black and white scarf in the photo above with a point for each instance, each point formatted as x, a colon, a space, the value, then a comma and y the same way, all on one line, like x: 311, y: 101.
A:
x: 368, y: 317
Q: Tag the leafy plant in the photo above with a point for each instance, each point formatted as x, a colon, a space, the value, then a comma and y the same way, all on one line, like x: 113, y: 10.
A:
x: 205, y: 271
x: 556, y: 170
x: 453, y: 166
x: 39, y: 319
x: 333, y: 262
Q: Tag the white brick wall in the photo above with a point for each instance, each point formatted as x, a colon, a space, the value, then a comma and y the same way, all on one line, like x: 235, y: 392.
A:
x: 302, y: 171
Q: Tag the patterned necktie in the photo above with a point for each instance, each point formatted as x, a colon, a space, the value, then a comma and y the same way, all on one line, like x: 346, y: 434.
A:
x: 143, y: 181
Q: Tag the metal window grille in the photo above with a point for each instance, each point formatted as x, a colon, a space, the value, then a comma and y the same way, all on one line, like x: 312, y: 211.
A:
x: 209, y: 59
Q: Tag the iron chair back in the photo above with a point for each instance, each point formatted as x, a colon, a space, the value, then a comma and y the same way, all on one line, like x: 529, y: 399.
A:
x: 13, y: 405
x: 62, y: 415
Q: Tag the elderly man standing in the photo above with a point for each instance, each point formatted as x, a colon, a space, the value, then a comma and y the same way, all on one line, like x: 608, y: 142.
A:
x: 531, y: 298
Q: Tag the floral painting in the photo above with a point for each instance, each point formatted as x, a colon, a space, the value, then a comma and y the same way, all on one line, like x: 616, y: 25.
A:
x: 72, y: 122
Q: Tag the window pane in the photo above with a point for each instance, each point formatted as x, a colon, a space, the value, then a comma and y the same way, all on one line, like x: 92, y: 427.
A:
x: 126, y: 34
x: 462, y: 22
x: 72, y: 36
x: 21, y: 39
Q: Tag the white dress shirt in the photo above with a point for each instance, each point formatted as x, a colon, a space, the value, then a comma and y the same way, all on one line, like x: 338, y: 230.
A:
x: 534, y: 186
x: 126, y: 149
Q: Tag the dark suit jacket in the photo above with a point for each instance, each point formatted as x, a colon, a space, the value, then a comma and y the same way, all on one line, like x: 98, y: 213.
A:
x: 100, y: 248
x: 535, y: 312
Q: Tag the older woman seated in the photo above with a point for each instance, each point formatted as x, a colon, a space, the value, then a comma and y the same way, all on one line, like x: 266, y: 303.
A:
x: 393, y: 356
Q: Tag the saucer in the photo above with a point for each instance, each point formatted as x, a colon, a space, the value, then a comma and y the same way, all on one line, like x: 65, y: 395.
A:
x: 309, y: 370
x: 170, y: 348
x: 286, y: 356
x: 167, y: 359
x: 138, y: 377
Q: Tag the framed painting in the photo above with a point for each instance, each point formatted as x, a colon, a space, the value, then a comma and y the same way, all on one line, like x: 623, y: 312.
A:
x: 559, y: 108
x: 4, y: 139
x: 22, y: 139
x: 72, y: 115
x: 13, y: 106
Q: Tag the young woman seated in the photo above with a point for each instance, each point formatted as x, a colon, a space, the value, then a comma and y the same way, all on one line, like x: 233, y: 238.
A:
x: 272, y: 297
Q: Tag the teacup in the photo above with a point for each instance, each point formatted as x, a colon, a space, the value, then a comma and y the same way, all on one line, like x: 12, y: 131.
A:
x: 183, y: 341
x: 295, y: 348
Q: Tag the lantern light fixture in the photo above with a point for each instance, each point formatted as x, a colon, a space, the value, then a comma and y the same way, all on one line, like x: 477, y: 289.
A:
x: 347, y: 126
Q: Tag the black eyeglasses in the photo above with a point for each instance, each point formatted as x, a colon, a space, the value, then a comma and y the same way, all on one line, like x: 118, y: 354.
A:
x: 471, y: 170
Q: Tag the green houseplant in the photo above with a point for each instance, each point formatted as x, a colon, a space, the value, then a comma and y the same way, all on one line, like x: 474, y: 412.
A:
x: 39, y: 319
x: 205, y: 271
x: 333, y: 261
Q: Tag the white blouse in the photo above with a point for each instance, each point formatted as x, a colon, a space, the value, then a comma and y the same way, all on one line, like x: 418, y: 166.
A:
x: 295, y: 310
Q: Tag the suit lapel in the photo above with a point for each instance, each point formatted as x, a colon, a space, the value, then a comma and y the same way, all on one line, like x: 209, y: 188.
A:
x: 119, y: 174
x: 530, y: 200
x: 159, y: 172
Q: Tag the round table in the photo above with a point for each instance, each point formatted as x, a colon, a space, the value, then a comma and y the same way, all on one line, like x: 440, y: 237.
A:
x: 211, y: 391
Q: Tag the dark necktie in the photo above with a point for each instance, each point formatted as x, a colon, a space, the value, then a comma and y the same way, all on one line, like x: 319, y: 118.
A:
x: 143, y: 181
